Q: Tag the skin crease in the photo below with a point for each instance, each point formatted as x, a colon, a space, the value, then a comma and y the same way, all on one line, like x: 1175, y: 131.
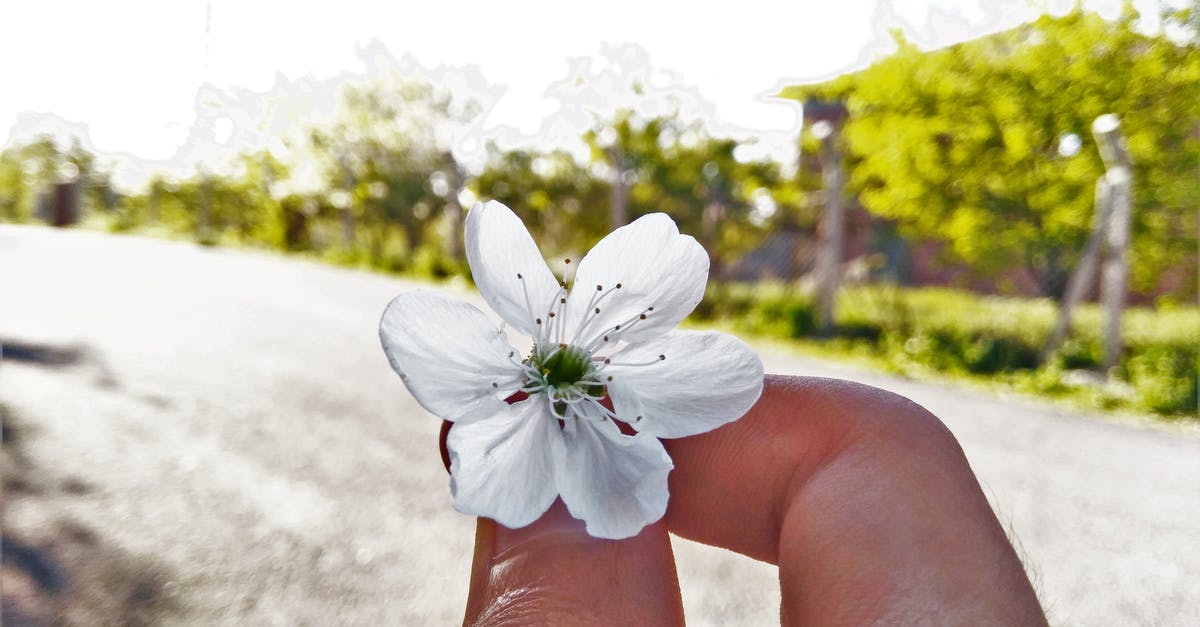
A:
x: 862, y: 498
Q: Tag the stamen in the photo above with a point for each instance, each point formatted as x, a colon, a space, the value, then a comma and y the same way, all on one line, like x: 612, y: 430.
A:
x: 631, y: 364
x: 528, y: 304
x: 626, y: 325
x: 593, y: 310
x: 556, y: 307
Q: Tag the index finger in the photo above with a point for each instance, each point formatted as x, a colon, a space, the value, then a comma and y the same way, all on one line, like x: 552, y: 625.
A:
x: 864, y: 500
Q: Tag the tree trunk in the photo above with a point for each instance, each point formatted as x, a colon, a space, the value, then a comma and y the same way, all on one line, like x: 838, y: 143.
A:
x: 832, y: 231
x: 344, y: 212
x: 454, y: 216
x: 710, y: 222
x: 619, y: 202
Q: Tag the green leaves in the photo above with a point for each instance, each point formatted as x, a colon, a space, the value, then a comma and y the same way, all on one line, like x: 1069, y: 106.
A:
x: 962, y: 144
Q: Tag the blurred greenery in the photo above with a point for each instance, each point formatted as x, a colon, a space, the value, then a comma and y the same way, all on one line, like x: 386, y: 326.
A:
x: 915, y: 331
x: 984, y: 147
x: 987, y: 145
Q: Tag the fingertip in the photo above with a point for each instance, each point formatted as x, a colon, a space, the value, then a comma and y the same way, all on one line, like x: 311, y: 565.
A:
x: 552, y: 571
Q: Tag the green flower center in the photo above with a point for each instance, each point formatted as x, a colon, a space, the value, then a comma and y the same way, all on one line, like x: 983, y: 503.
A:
x: 564, y: 372
x: 561, y: 367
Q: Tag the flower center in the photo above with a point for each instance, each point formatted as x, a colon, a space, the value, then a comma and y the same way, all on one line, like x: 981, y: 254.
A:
x: 563, y: 367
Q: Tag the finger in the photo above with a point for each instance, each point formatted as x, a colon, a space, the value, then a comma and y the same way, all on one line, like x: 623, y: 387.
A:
x: 730, y: 486
x: 864, y: 500
x: 552, y: 572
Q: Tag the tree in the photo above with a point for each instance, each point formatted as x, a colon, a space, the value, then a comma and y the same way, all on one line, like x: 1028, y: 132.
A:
x: 985, y: 144
x: 557, y: 197
x: 385, y: 151
x: 663, y: 164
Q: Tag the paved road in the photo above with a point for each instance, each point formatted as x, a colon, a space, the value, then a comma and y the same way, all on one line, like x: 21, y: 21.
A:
x: 204, y: 436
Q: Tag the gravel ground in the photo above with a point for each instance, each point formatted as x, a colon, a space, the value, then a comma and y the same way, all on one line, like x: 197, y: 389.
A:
x: 203, y: 436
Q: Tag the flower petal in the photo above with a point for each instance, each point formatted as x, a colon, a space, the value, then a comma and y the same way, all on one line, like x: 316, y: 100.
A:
x: 655, y: 266
x: 615, y: 483
x: 503, y: 468
x: 499, y: 249
x: 706, y: 380
x: 449, y: 354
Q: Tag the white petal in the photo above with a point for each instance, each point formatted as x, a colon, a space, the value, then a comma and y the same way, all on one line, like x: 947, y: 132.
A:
x: 498, y: 249
x: 706, y: 380
x: 503, y: 468
x: 615, y: 483
x: 448, y: 354
x: 656, y: 267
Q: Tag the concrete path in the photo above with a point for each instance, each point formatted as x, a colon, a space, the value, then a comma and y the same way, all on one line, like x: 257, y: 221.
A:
x: 200, y: 436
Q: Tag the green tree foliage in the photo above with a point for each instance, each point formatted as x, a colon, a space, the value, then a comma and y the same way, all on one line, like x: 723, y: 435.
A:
x: 29, y: 170
x: 558, y: 198
x: 387, y: 150
x: 681, y: 170
x: 972, y: 144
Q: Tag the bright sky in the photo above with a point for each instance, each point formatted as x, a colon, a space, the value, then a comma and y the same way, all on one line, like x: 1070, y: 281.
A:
x: 128, y: 72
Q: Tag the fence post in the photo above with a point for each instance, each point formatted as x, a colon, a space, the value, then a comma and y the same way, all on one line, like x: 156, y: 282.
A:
x: 1115, y: 268
x: 833, y: 220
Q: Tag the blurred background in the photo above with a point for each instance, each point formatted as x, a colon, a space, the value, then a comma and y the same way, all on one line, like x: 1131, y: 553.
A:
x: 991, y: 208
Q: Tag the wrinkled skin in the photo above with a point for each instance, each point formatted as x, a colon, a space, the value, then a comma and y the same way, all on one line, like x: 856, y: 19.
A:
x: 862, y: 498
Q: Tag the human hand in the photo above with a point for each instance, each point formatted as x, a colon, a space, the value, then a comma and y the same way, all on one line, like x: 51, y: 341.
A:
x: 862, y: 498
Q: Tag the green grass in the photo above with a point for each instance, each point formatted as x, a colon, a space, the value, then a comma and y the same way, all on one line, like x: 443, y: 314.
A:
x: 991, y: 340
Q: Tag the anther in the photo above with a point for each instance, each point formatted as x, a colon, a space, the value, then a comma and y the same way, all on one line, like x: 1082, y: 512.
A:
x: 650, y: 308
x: 617, y: 328
x: 551, y: 314
x: 597, y: 310
x: 609, y: 378
x: 662, y: 357
x: 643, y: 316
x: 562, y: 301
x: 637, y: 419
x: 494, y: 384
x: 606, y: 359
x: 563, y: 346
x: 599, y: 288
x: 618, y: 286
x: 606, y: 338
x: 538, y: 321
x: 519, y: 276
x: 566, y: 261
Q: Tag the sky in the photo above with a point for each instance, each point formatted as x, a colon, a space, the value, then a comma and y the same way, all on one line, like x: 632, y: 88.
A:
x: 153, y: 85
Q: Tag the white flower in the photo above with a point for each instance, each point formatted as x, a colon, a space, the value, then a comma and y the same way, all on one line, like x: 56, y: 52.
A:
x: 610, y: 334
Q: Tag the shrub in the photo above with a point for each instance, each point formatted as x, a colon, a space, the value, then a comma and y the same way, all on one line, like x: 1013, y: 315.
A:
x: 959, y: 332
